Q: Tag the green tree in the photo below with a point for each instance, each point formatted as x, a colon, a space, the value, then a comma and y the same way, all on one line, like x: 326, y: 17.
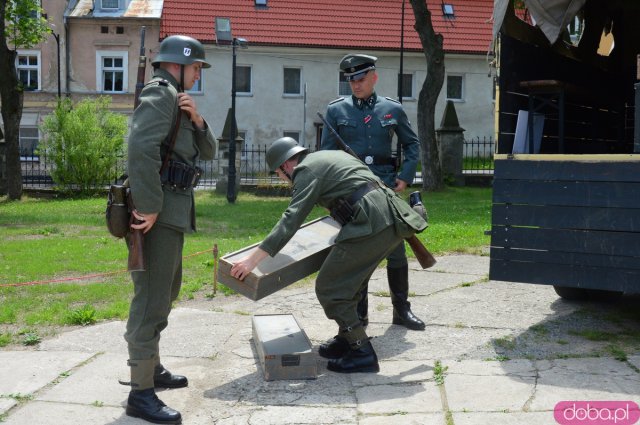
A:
x: 84, y: 142
x: 21, y: 26
x: 432, y: 46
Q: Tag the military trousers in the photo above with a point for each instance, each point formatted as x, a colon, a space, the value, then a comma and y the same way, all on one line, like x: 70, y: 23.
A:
x: 398, y: 257
x: 154, y: 291
x: 344, y: 273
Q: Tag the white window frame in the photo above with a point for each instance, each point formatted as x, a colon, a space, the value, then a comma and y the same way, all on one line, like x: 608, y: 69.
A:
x: 37, y: 68
x: 110, y: 8
x: 344, y: 88
x: 245, y: 93
x: 413, y: 87
x: 34, y: 156
x: 100, y: 54
x: 462, y: 88
x: 291, y: 133
x: 300, y: 84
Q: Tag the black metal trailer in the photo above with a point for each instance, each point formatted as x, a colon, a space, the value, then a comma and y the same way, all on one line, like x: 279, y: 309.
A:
x: 566, y: 191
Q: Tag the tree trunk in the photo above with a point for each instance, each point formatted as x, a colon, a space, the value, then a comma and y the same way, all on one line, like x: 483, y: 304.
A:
x: 432, y: 45
x: 11, y: 96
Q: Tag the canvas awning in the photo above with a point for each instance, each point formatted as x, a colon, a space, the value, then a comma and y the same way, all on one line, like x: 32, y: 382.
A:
x: 552, y: 16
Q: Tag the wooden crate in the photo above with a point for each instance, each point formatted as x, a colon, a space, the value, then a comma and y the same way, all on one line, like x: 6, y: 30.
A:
x: 303, y: 255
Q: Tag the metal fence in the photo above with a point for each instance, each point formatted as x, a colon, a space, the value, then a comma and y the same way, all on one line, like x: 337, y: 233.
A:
x: 252, y: 169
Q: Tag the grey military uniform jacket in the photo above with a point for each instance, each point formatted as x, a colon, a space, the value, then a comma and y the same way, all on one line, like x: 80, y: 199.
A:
x: 152, y: 121
x: 324, y: 176
x: 368, y: 128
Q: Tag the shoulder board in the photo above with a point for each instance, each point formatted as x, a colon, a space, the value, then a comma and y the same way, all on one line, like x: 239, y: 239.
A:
x: 340, y: 99
x: 158, y: 82
x: 393, y: 100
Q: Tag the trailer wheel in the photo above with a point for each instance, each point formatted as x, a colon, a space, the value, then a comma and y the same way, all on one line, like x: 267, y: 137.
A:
x: 604, y: 295
x: 572, y: 294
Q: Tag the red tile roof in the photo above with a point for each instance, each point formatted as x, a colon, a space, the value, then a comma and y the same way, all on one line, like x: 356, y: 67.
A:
x: 359, y: 24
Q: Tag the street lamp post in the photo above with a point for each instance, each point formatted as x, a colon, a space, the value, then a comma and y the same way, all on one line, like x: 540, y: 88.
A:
x: 57, y: 37
x: 224, y: 37
x: 400, y: 76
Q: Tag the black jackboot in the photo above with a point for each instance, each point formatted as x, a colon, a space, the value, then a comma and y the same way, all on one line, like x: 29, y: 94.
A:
x: 360, y: 358
x: 399, y: 288
x: 334, y: 348
x: 162, y: 378
x: 146, y: 405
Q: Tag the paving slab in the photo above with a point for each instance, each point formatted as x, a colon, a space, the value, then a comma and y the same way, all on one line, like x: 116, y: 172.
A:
x: 405, y: 419
x: 503, y: 418
x: 584, y: 379
x: 399, y: 399
x: 29, y: 371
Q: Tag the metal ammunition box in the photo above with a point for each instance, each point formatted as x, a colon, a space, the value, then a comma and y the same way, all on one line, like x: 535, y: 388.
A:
x: 303, y: 255
x: 284, y: 350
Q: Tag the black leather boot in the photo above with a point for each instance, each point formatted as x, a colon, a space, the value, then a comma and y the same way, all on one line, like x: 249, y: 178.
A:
x: 162, y: 378
x: 334, y: 348
x: 363, y: 304
x: 399, y: 288
x: 360, y: 358
x: 146, y: 405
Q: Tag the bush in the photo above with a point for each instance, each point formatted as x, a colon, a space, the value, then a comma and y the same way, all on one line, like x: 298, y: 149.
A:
x: 85, y: 143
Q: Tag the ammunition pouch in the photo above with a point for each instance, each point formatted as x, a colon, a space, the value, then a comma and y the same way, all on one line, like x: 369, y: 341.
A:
x: 344, y: 209
x: 178, y: 175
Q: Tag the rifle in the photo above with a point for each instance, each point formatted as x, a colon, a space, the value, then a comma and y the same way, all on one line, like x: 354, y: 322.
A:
x: 424, y: 257
x: 142, y: 69
x: 135, y: 239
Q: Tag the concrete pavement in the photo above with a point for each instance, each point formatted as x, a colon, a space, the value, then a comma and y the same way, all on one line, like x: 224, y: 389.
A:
x: 507, y: 353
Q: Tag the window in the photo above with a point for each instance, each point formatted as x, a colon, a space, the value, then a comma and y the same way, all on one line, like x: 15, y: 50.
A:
x: 243, y: 80
x: 293, y: 134
x: 119, y: 30
x: 292, y: 81
x: 104, y: 29
x: 455, y: 87
x: 29, y: 136
x: 28, y: 69
x: 407, y: 86
x: 111, y: 71
x: 110, y: 4
x: 344, y: 89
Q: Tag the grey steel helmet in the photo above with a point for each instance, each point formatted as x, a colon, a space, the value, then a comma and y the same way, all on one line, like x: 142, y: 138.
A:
x: 181, y: 49
x: 281, y: 150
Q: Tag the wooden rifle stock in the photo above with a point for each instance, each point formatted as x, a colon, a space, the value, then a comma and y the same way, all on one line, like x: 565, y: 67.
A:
x: 424, y: 257
x: 135, y: 242
x: 135, y: 238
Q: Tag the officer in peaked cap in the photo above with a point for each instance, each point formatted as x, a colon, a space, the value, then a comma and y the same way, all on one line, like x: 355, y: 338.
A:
x: 356, y: 66
x: 367, y: 123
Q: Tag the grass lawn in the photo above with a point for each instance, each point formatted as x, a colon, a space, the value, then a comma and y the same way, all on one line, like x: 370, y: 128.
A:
x: 52, y: 245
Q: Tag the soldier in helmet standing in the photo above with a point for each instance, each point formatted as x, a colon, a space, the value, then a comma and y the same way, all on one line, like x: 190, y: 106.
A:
x: 374, y: 222
x: 367, y: 123
x: 166, y: 211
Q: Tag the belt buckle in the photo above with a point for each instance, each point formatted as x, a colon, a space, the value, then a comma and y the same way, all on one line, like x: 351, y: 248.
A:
x: 368, y: 160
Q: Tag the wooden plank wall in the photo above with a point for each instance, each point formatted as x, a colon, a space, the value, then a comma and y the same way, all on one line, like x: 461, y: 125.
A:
x: 567, y: 223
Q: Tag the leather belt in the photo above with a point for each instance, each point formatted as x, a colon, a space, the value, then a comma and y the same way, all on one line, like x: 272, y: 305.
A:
x: 376, y: 160
x: 361, y: 191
